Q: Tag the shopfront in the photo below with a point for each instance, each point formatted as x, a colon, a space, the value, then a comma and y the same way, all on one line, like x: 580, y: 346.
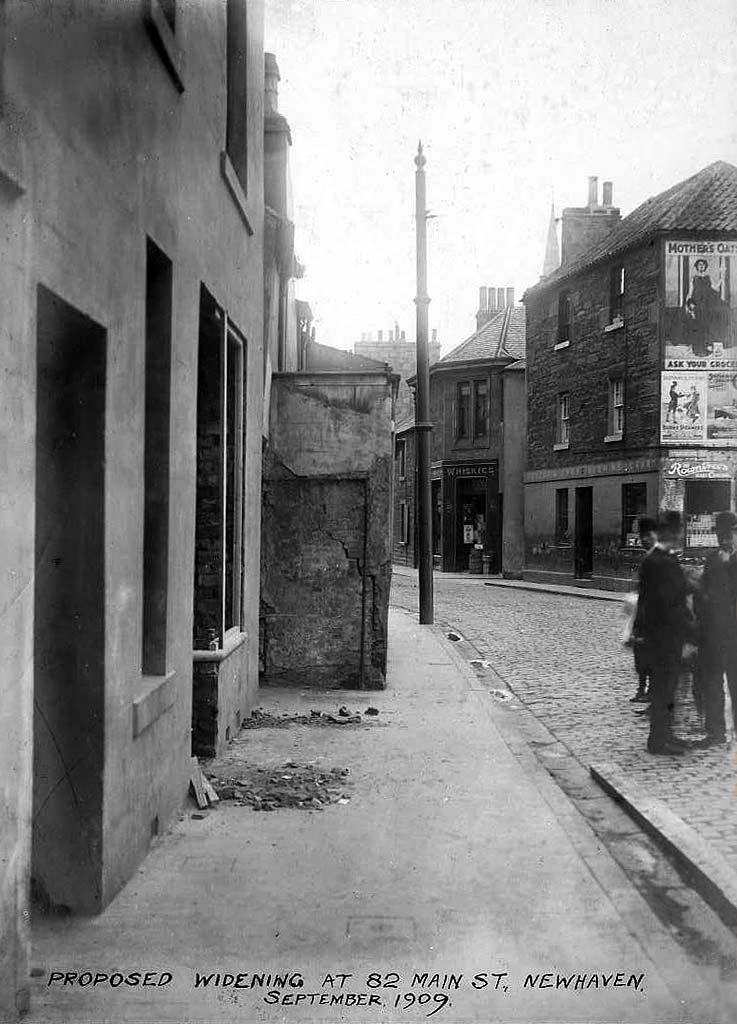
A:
x: 471, y: 517
x: 699, y: 485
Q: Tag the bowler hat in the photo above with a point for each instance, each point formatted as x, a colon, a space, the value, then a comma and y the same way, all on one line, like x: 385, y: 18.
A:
x: 725, y: 522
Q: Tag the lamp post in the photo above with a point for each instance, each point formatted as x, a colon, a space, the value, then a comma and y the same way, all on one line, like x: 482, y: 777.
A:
x: 423, y: 426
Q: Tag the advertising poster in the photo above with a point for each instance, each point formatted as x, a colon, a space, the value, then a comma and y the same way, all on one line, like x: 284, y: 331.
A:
x: 700, y: 300
x: 683, y: 408
x: 721, y: 409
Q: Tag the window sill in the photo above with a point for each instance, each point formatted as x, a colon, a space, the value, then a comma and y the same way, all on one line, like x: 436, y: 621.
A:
x: 236, y: 189
x: 613, y: 437
x: 232, y: 642
x: 164, y: 41
x: 562, y: 446
x: 560, y: 344
x: 615, y: 325
x: 152, y: 704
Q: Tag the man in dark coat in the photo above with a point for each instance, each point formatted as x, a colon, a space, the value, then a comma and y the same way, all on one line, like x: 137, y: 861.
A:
x: 717, y: 612
x: 663, y: 622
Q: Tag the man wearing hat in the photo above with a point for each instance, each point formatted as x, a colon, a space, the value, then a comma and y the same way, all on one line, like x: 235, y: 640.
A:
x: 662, y: 621
x: 717, y: 608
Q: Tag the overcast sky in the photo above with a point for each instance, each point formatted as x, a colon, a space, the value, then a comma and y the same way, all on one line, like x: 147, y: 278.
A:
x: 516, y: 102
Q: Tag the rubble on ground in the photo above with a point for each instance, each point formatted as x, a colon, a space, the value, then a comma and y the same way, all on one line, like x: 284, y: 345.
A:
x: 266, y: 720
x: 304, y: 786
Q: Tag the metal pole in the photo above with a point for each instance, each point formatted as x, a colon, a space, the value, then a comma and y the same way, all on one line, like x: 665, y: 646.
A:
x: 423, y: 426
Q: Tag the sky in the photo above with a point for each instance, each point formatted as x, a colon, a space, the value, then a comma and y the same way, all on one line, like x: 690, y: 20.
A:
x: 516, y: 102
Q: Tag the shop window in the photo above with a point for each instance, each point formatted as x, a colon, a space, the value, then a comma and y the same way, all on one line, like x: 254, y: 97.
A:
x: 634, y: 506
x: 616, y: 410
x: 403, y: 523
x: 563, y: 432
x: 480, y: 410
x: 702, y: 500
x: 463, y: 411
x: 616, y: 296
x: 236, y: 135
x: 401, y: 453
x: 563, y: 335
x: 561, y: 516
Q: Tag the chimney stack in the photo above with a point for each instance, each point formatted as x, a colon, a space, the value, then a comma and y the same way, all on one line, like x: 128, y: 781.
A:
x: 483, y: 298
x: 434, y: 335
x: 510, y: 296
x: 271, y: 84
x: 500, y: 298
x: 381, y: 335
x: 583, y: 227
x: 593, y: 192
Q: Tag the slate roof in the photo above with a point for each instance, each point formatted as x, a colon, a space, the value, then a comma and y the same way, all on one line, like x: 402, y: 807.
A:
x: 404, y: 425
x: 707, y: 201
x: 503, y: 337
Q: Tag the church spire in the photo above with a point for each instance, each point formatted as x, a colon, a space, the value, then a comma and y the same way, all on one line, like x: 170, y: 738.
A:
x: 552, y: 252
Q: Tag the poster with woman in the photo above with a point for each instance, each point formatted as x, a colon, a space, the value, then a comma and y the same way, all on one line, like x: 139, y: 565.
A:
x: 700, y: 296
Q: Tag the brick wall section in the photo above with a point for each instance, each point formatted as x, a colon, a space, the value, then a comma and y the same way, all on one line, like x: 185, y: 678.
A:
x: 591, y: 360
x: 208, y: 529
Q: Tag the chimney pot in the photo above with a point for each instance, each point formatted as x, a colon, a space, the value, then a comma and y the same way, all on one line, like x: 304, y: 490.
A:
x: 404, y: 336
x: 434, y: 335
x: 510, y: 296
x: 500, y: 298
x: 607, y: 198
x: 483, y: 298
x: 491, y: 298
x: 381, y: 335
x: 593, y: 191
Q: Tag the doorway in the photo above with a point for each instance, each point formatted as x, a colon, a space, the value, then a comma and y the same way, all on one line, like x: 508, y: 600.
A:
x: 471, y: 521
x: 584, y: 540
x: 69, y: 609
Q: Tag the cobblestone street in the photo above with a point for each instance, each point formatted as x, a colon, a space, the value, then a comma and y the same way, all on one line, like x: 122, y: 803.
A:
x: 563, y: 658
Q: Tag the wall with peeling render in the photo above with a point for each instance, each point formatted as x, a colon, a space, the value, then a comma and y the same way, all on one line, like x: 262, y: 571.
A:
x: 326, y: 529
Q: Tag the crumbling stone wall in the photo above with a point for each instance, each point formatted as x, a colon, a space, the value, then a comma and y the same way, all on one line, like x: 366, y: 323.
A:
x: 326, y: 516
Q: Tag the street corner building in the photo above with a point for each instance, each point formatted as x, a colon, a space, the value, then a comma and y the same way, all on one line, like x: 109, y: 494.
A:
x: 632, y: 379
x: 477, y: 410
x: 132, y: 218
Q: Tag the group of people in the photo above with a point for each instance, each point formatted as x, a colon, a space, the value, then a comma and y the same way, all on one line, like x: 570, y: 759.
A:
x: 681, y: 621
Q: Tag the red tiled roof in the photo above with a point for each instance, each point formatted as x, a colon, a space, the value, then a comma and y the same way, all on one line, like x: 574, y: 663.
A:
x: 707, y: 201
x: 503, y: 337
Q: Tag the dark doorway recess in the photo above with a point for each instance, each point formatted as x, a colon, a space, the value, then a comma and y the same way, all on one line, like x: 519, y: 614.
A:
x: 584, y: 541
x: 69, y: 608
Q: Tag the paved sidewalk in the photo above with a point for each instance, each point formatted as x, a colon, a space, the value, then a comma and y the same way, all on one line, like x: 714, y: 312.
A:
x: 456, y: 870
x: 564, y: 659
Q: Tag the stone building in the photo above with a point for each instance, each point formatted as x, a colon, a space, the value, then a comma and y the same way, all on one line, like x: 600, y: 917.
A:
x: 477, y: 408
x: 632, y: 379
x: 401, y: 356
x: 132, y: 220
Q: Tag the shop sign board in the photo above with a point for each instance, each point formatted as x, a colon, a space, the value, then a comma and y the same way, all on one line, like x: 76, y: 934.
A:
x: 699, y: 408
x: 700, y: 304
x: 697, y: 470
x: 473, y: 469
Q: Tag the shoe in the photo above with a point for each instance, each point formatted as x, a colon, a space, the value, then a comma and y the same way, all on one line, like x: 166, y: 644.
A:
x: 666, y: 748
x: 640, y: 698
x: 709, y: 741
